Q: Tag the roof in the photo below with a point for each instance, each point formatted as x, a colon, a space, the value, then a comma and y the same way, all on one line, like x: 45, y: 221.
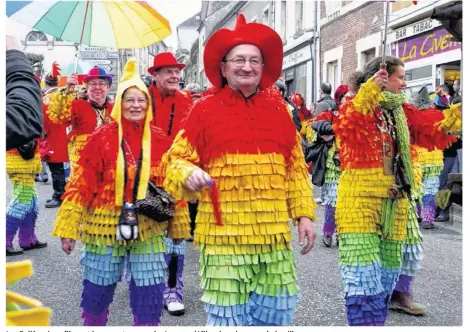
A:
x: 193, y: 21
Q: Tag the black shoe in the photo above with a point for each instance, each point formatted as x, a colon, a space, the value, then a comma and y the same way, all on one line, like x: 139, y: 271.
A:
x: 37, y: 245
x: 37, y: 178
x: 49, y: 200
x: 428, y: 226
x: 45, y: 180
x: 53, y: 203
x: 14, y: 252
x: 337, y: 241
x: 327, y: 241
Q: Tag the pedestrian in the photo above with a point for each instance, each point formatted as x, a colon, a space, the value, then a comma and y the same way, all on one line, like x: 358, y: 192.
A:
x: 241, y: 141
x: 22, y: 163
x: 377, y: 181
x: 170, y: 106
x: 326, y: 102
x: 114, y: 170
x: 55, y: 138
x: 24, y: 120
x: 282, y: 88
x: 84, y: 116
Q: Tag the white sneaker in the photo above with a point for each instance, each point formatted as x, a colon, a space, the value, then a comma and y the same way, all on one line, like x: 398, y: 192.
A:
x: 318, y: 200
x: 175, y: 308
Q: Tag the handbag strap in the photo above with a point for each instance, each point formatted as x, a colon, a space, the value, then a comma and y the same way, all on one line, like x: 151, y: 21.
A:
x: 172, y: 115
x: 137, y: 174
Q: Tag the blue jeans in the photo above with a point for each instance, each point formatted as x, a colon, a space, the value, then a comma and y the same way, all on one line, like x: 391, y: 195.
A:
x: 449, y: 163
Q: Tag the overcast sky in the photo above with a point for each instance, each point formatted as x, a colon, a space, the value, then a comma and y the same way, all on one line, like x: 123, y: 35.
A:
x: 175, y: 11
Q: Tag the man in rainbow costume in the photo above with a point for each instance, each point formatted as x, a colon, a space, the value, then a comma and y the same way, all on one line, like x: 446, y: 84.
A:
x: 239, y: 142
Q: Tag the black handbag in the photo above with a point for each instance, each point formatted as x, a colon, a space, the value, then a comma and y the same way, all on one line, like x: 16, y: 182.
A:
x: 157, y: 205
x: 28, y: 151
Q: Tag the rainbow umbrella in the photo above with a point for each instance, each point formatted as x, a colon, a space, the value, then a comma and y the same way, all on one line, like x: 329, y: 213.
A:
x: 123, y: 24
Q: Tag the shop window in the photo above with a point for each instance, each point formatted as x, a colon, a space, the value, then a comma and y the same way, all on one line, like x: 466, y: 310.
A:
x: 301, y: 79
x: 398, y: 5
x: 332, y: 73
x: 450, y: 75
x: 418, y: 73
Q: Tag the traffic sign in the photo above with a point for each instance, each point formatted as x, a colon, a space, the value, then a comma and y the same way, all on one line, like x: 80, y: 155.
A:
x: 92, y: 55
x: 98, y: 61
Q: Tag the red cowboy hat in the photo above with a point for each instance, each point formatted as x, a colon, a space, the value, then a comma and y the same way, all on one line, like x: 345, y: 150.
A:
x: 165, y: 59
x: 260, y: 35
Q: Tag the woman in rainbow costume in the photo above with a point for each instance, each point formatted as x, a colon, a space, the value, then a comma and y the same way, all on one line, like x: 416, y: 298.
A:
x: 376, y: 186
x: 101, y: 193
x: 241, y: 142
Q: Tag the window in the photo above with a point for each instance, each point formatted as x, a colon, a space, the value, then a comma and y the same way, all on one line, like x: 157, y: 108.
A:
x: 266, y: 17
x: 299, y: 16
x: 366, y: 57
x: 332, y: 6
x: 418, y: 73
x: 301, y: 79
x: 332, y: 74
x: 397, y: 5
x: 36, y: 36
x: 283, y: 19
x: 254, y: 19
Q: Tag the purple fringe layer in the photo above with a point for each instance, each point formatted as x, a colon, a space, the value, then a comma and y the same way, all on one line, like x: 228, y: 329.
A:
x: 404, y: 285
x: 367, y: 310
x: 146, y: 303
x: 26, y: 235
x: 329, y: 225
x: 429, y: 209
x: 174, y: 294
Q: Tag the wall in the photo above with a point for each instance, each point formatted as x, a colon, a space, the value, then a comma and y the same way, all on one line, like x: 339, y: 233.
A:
x: 344, y: 38
x: 186, y: 37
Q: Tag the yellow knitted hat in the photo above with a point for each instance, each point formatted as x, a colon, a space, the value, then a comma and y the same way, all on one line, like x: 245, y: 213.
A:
x: 131, y: 78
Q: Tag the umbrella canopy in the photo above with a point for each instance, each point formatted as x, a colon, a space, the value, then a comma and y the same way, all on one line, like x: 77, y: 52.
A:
x: 127, y: 24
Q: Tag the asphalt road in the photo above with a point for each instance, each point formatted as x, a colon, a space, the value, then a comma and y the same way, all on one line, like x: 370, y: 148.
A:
x: 57, y: 281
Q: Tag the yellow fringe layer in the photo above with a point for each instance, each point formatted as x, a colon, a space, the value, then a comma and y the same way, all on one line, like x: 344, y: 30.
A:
x: 180, y: 224
x: 76, y: 145
x: 368, y: 97
x: 258, y: 194
x: 59, y: 109
x: 15, y: 164
x: 430, y: 158
x: 452, y: 118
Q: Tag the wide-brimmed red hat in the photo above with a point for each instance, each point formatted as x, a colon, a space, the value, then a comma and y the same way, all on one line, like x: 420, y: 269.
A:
x: 259, y: 35
x: 165, y: 59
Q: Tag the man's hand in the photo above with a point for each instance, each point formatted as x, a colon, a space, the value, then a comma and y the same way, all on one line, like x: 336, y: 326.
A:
x: 381, y: 78
x: 327, y: 138
x: 306, y: 230
x: 68, y: 245
x: 197, y: 180
x: 12, y: 43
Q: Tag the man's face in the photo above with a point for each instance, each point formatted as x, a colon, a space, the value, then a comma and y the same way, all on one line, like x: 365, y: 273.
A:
x: 456, y: 86
x: 243, y: 67
x: 396, y: 82
x: 167, y: 78
x: 98, y: 89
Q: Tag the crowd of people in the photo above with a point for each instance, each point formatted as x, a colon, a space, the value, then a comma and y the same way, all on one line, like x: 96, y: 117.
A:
x: 232, y: 166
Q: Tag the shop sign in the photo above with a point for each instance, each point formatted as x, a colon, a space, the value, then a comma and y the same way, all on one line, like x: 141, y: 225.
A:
x: 426, y: 45
x: 297, y: 57
x: 413, y: 29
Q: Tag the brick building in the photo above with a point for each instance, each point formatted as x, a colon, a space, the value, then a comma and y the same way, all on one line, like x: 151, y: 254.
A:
x: 350, y: 36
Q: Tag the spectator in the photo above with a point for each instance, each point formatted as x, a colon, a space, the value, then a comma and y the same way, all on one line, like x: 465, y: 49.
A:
x: 24, y: 117
x: 326, y: 102
x: 281, y: 87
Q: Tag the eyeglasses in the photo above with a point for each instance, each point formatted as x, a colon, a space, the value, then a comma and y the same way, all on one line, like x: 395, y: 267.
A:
x: 240, y: 62
x: 100, y: 84
x: 132, y: 101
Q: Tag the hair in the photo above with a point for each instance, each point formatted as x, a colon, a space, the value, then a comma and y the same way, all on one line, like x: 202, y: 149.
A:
x: 374, y: 66
x: 281, y: 86
x: 194, y: 88
x: 355, y: 81
x: 134, y: 87
x: 326, y: 88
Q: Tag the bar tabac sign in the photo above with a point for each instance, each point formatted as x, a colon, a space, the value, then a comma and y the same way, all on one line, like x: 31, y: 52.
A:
x: 425, y: 45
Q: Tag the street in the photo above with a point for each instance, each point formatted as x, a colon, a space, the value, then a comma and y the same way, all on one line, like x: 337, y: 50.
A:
x: 57, y: 281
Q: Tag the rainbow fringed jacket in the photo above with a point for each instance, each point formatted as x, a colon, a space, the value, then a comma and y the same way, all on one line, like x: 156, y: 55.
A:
x: 250, y: 147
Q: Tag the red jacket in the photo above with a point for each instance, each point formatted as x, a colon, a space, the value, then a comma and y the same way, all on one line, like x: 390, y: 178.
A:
x: 162, y: 108
x: 56, y: 138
